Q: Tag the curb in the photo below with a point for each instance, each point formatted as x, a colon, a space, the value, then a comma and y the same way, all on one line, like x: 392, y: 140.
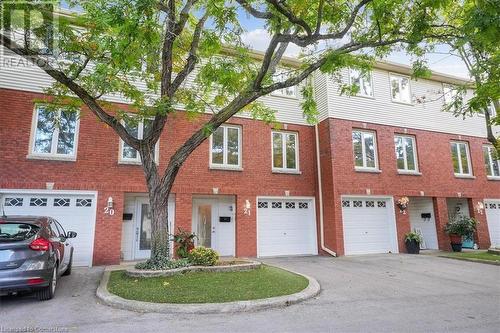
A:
x: 115, y: 301
x: 478, y: 261
x: 132, y: 272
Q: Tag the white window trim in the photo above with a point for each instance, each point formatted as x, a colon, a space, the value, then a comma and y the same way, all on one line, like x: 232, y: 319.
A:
x: 491, y: 162
x: 53, y: 155
x: 405, y: 155
x: 137, y: 160
x: 363, y: 152
x: 399, y: 76
x: 359, y: 94
x: 284, y: 169
x: 452, y: 88
x: 460, y: 167
x: 279, y: 92
x: 224, y: 165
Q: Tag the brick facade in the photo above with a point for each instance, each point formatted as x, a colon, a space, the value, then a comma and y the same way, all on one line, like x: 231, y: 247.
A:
x: 437, y: 179
x: 96, y: 168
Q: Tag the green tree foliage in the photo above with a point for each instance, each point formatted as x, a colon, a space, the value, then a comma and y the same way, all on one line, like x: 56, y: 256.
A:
x: 150, y: 51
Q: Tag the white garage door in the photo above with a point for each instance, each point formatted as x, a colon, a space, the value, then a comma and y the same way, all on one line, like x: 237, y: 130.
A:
x: 75, y: 212
x: 492, y: 208
x: 286, y: 227
x: 369, y: 225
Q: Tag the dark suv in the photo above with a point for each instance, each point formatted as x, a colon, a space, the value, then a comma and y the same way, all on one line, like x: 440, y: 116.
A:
x: 34, y: 252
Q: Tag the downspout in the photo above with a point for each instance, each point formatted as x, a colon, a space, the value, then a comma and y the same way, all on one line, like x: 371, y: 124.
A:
x: 320, y: 197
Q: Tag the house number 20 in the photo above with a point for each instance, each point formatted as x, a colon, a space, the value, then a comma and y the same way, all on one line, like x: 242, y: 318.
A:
x: 109, y: 211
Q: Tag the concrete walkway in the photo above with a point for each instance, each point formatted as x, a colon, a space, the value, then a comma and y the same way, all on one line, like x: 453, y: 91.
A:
x: 380, y: 293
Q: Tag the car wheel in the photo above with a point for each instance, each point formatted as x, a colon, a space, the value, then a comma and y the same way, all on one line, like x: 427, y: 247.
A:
x: 48, y: 292
x: 68, y: 269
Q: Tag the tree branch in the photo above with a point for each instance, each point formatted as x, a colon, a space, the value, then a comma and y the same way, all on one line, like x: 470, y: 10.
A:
x: 254, y: 12
x: 78, y: 90
x: 168, y: 48
x: 280, y: 7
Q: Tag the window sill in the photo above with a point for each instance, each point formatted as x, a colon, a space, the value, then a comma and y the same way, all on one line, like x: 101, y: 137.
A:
x: 403, y: 103
x: 138, y: 163
x: 465, y: 176
x: 364, y: 96
x: 285, y: 96
x: 289, y: 172
x: 368, y: 170
x: 493, y: 178
x: 225, y: 168
x: 51, y: 158
x: 409, y: 173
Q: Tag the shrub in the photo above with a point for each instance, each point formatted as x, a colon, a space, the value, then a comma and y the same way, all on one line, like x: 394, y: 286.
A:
x: 202, y: 256
x: 162, y: 264
x: 413, y: 236
x: 185, y: 242
x: 462, y: 226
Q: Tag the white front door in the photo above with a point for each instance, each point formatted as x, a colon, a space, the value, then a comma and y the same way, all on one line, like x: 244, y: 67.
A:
x: 74, y: 210
x: 422, y: 219
x: 214, y: 224
x: 492, y: 209
x: 286, y: 226
x: 369, y: 225
x: 142, y: 240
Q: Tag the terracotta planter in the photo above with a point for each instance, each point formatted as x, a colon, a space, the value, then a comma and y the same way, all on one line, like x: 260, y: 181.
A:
x: 456, y: 242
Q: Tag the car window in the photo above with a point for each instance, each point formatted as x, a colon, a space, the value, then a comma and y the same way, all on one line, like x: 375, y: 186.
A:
x: 61, y: 229
x: 16, y: 231
x: 54, y: 232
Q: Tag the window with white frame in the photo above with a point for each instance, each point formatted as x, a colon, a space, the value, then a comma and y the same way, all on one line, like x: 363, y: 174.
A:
x: 365, y: 149
x: 282, y: 75
x: 225, y: 147
x: 492, y: 165
x: 406, y: 153
x: 449, y: 93
x: 137, y: 130
x: 461, y: 158
x: 400, y: 88
x: 363, y: 80
x: 285, y: 151
x: 55, y: 133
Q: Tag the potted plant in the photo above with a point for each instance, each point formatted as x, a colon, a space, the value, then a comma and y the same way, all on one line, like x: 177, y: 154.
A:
x: 458, y: 228
x: 184, y: 243
x: 412, y: 242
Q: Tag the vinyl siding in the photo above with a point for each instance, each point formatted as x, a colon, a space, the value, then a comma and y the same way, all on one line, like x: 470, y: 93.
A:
x: 382, y: 110
x: 19, y: 74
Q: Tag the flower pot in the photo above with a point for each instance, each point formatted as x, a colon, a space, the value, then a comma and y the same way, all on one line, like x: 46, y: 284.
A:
x: 456, y: 242
x: 456, y: 247
x: 412, y: 247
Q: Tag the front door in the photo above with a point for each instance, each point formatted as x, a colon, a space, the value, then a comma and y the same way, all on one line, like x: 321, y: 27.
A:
x: 142, y: 239
x: 213, y: 224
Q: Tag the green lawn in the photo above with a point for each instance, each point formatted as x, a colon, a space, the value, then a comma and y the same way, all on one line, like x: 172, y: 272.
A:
x: 207, y: 287
x: 482, y: 255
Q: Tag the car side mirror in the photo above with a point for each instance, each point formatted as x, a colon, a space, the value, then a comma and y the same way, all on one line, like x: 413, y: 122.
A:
x: 70, y: 234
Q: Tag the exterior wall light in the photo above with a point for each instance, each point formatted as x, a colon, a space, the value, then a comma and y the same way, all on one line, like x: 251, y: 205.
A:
x: 247, y: 207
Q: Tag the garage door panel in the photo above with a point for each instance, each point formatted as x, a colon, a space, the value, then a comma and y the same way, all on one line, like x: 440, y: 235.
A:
x: 286, y: 227
x: 492, y: 209
x: 368, y: 226
x: 75, y: 212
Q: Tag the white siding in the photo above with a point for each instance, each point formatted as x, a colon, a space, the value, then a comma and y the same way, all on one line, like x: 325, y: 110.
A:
x: 19, y: 74
x: 381, y: 109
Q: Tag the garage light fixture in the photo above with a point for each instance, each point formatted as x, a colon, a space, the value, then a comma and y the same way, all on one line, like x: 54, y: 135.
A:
x: 479, y: 207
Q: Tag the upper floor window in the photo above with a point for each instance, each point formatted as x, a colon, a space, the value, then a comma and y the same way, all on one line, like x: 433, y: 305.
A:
x: 55, y: 133
x: 492, y: 165
x: 406, y: 153
x: 137, y: 130
x: 363, y: 80
x: 285, y: 151
x: 365, y: 150
x: 280, y: 76
x: 461, y: 159
x: 225, y: 145
x: 449, y: 93
x: 400, y: 88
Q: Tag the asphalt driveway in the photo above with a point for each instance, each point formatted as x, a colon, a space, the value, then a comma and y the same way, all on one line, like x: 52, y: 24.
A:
x: 380, y: 293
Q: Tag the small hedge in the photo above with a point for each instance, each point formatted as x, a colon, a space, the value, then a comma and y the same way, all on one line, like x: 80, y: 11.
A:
x: 162, y: 264
x: 202, y: 256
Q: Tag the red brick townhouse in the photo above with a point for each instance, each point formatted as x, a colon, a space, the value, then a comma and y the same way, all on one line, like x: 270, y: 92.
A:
x: 251, y: 190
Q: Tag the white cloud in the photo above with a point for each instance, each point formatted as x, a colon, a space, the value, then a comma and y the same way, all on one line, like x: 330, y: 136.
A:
x: 259, y: 39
